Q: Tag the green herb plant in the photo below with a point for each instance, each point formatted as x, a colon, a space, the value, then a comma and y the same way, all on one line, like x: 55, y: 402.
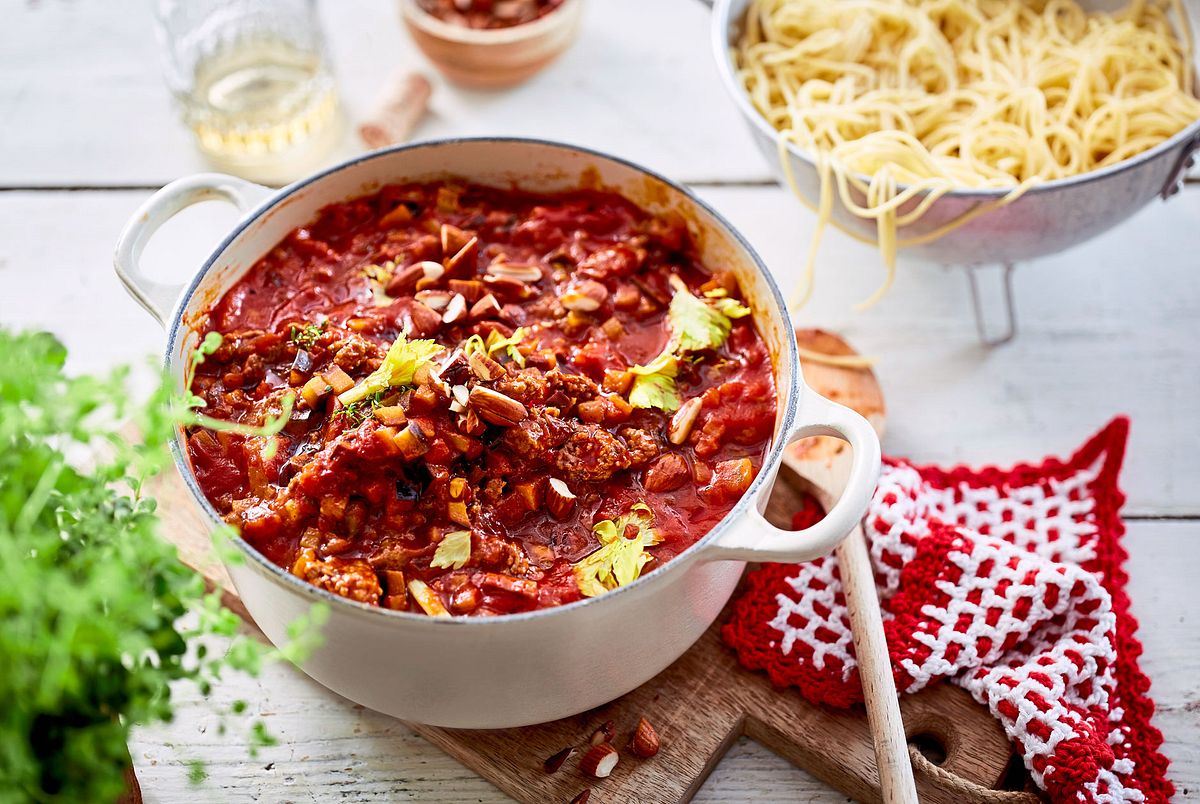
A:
x: 92, y: 601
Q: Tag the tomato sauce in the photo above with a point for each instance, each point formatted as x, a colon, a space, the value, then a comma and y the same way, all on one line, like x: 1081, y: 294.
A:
x: 475, y: 487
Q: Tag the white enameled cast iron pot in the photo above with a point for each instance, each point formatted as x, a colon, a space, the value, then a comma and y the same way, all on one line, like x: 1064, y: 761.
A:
x: 522, y: 668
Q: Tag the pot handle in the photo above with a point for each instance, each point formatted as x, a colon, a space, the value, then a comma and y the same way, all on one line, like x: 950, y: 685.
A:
x: 158, y: 298
x: 753, y: 538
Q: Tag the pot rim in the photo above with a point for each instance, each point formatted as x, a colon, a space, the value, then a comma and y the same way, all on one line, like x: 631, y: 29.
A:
x: 722, y: 28
x: 786, y: 422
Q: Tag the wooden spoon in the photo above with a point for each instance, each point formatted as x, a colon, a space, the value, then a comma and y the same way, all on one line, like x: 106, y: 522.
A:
x: 825, y: 464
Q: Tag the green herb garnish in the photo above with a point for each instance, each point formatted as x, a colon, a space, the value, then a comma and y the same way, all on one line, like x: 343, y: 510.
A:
x: 399, y: 366
x: 357, y: 412
x: 696, y: 325
x: 497, y: 342
x: 619, y: 561
x: 453, y: 551
x: 92, y: 641
x: 305, y: 337
x: 187, y: 413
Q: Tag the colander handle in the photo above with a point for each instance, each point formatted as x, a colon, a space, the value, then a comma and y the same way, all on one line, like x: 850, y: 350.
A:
x: 1178, y: 177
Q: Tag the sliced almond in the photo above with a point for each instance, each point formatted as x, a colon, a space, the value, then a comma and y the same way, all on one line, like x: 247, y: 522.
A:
x: 461, y: 394
x: 486, y: 307
x: 683, y: 421
x: 599, y: 761
x: 560, y: 500
x: 471, y: 289
x: 484, y: 367
x: 556, y: 761
x: 508, y: 288
x: 432, y: 271
x: 456, y: 310
x: 434, y: 299
x: 496, y: 408
x: 585, y: 296
x: 520, y: 272
x: 426, y: 321
x: 604, y: 734
x: 405, y: 280
x: 463, y: 261
x: 453, y: 240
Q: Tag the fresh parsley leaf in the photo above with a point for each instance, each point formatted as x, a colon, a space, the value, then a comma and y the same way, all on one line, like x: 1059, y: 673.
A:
x: 453, y: 551
x: 619, y: 561
x: 403, y: 359
x: 696, y: 325
x: 654, y: 384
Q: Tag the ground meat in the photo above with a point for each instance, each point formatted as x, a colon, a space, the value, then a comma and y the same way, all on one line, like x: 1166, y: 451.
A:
x: 642, y: 446
x: 349, y: 578
x: 576, y: 386
x: 608, y: 262
x: 526, y: 386
x: 536, y: 436
x: 666, y: 474
x: 592, y: 454
x: 353, y: 352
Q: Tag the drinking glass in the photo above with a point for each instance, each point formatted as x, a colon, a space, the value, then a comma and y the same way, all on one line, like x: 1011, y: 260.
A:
x: 252, y: 81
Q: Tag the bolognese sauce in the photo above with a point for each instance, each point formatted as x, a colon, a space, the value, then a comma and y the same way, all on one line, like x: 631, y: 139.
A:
x: 493, y: 401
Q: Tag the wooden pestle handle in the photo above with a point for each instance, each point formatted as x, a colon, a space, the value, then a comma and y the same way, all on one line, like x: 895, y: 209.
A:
x: 875, y: 669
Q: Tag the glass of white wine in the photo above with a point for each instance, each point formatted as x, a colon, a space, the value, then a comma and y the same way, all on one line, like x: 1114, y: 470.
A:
x: 253, y: 82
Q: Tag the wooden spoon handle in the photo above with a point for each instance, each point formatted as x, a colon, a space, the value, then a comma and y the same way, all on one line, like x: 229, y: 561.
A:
x: 874, y: 667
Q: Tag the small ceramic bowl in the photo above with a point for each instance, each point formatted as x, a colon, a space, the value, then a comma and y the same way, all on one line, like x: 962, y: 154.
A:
x: 492, y: 57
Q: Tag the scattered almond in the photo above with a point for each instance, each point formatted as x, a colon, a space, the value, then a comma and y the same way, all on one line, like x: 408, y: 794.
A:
x: 456, y: 309
x: 486, y: 307
x: 553, y: 763
x: 683, y: 421
x: 644, y: 743
x: 583, y: 796
x: 405, y: 280
x: 519, y: 272
x: 599, y: 761
x: 560, y: 500
x: 584, y: 296
x: 496, y: 408
x: 604, y: 734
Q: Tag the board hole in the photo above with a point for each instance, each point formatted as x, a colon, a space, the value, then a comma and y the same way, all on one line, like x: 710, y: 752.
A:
x: 931, y: 747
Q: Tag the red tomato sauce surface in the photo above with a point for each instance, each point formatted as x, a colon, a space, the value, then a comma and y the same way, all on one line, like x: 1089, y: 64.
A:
x: 357, y: 499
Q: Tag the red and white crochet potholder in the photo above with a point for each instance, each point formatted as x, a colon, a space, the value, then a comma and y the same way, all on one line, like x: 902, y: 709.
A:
x: 1007, y: 583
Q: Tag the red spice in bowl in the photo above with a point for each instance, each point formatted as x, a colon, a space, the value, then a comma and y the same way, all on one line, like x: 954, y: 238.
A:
x: 484, y: 14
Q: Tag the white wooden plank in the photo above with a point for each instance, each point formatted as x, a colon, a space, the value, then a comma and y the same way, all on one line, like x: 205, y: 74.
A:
x: 333, y: 750
x: 92, y: 109
x: 1107, y: 328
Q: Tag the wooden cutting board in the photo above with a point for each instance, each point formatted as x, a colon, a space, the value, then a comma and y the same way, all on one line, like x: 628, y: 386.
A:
x: 701, y: 704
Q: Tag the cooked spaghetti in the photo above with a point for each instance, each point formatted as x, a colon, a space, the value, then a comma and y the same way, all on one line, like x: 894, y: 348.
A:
x: 902, y: 101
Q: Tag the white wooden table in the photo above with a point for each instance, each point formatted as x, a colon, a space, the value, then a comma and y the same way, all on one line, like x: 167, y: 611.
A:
x: 88, y: 132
